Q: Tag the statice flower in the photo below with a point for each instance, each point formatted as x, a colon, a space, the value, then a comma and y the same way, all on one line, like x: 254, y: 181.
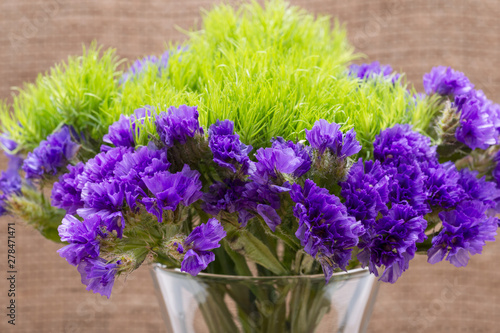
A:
x: 465, y: 231
x: 82, y: 236
x: 178, y: 124
x: 391, y: 241
x: 229, y: 152
x: 442, y: 186
x: 445, y: 81
x: 301, y: 151
x: 366, y: 190
x: 101, y: 167
x: 324, y: 136
x: 105, y: 200
x: 276, y: 164
x: 225, y: 196
x: 140, y: 65
x: 169, y: 190
x: 98, y: 275
x: 121, y: 133
x: 374, y: 69
x: 10, y: 182
x: 51, y: 155
x: 401, y: 142
x: 65, y: 193
x: 478, y: 126
x: 7, y: 144
x: 325, y: 230
x: 198, y: 244
x: 478, y: 189
x: 407, y: 185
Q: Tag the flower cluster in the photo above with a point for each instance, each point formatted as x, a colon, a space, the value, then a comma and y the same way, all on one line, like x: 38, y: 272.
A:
x: 51, y: 155
x: 374, y: 69
x: 121, y: 133
x: 478, y: 120
x: 325, y: 229
x: 393, y: 194
x: 140, y: 65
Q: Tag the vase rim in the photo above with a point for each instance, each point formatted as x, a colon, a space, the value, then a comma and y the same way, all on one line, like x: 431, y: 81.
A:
x: 338, y: 275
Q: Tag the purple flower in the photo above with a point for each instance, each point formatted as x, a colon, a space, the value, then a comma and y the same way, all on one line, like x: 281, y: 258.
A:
x: 10, y: 181
x: 407, y: 185
x: 82, y: 236
x: 178, y: 124
x: 225, y: 196
x: 7, y: 144
x: 98, y: 275
x: 446, y: 81
x: 465, y: 231
x: 478, y: 189
x: 325, y: 230
x: 65, y: 193
x: 400, y: 141
x: 226, y: 146
x: 442, y: 186
x: 478, y: 127
x: 51, y: 155
x: 324, y: 136
x: 169, y: 190
x: 264, y: 200
x: 121, y: 133
x: 366, y: 190
x: 374, y: 69
x: 391, y: 241
x: 301, y: 151
x: 275, y: 164
x: 106, y: 201
x: 140, y: 65
x: 202, y: 239
x: 102, y: 166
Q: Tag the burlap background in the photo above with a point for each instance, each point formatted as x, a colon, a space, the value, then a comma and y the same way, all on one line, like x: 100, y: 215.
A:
x: 412, y: 36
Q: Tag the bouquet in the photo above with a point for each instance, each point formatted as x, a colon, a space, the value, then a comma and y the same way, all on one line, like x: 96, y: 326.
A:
x: 252, y: 149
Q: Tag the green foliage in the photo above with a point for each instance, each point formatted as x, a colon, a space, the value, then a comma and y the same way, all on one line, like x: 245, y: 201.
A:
x: 73, y: 92
x: 273, y: 70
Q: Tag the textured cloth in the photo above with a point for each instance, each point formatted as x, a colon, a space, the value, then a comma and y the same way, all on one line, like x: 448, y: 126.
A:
x: 411, y: 36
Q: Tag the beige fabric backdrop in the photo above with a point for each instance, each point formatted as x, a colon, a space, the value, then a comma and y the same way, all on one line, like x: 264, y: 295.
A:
x: 412, y: 36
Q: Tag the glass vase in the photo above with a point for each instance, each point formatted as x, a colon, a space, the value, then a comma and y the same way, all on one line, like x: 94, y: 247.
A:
x: 210, y: 303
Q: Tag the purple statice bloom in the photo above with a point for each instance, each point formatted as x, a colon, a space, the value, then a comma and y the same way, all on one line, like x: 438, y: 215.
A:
x: 407, y: 185
x: 496, y: 171
x: 400, y: 141
x: 82, y: 238
x: 226, y: 196
x: 366, y: 190
x: 229, y: 152
x: 121, y: 133
x: 478, y: 127
x: 10, y: 181
x: 326, y: 231
x: 445, y: 81
x: 442, y: 186
x: 137, y: 165
x: 102, y: 166
x: 65, y: 193
x: 324, y: 136
x: 178, y: 124
x: 391, y: 241
x: 51, y: 155
x: 98, y: 275
x: 106, y: 201
x: 465, y: 231
x: 374, y: 69
x: 169, y: 190
x: 301, y: 151
x: 7, y: 144
x: 478, y: 189
x: 140, y: 65
x: 274, y: 163
x: 202, y: 239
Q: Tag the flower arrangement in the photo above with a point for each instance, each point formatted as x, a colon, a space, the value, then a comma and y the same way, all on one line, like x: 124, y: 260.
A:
x: 252, y: 149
